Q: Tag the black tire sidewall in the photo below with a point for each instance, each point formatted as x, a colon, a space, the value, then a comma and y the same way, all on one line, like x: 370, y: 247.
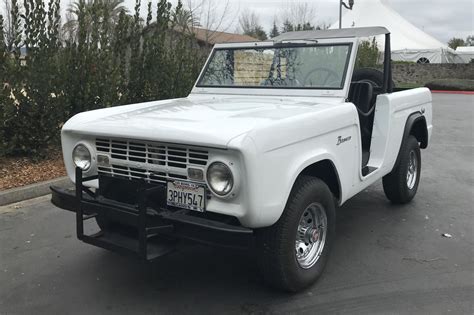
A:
x: 278, y: 259
x: 325, y: 199
x: 395, y: 183
x: 411, y: 145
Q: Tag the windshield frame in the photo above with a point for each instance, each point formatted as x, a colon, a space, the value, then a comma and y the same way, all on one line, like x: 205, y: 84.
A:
x: 340, y: 95
x: 349, y: 45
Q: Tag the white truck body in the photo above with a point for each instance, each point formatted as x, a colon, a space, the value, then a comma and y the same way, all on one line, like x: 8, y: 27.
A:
x: 273, y: 136
x: 268, y: 136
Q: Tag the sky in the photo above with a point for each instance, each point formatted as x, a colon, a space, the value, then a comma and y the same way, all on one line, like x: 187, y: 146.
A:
x: 442, y: 19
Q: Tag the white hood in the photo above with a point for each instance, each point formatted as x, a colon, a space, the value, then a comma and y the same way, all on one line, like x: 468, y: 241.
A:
x: 200, y: 120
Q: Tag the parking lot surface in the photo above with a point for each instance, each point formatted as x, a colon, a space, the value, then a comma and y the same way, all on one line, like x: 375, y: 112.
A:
x: 386, y: 258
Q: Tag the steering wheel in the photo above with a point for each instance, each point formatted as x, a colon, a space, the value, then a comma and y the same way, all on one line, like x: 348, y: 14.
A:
x: 329, y: 74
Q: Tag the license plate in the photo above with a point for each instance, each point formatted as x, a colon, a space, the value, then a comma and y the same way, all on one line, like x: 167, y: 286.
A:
x: 186, y: 195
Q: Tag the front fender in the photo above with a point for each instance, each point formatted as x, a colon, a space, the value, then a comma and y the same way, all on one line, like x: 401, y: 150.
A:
x: 279, y: 169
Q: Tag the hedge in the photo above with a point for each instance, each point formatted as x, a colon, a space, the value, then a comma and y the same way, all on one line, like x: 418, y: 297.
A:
x: 93, y: 61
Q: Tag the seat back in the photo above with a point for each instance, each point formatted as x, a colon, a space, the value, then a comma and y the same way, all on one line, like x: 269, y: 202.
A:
x: 362, y: 95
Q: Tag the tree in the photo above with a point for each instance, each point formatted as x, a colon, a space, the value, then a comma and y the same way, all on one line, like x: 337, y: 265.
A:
x: 4, y: 86
x: 7, y: 23
x: 297, y: 16
x: 88, y: 8
x: 456, y: 42
x: 287, y: 27
x: 105, y: 62
x: 274, y: 32
x: 250, y: 25
x: 186, y: 19
x: 259, y: 33
x: 213, y: 16
x: 367, y: 55
x: 13, y: 31
x: 2, y: 39
x: 470, y: 40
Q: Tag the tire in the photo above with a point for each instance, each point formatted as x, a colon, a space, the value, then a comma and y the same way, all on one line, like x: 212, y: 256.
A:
x: 373, y: 76
x: 399, y: 185
x: 276, y: 245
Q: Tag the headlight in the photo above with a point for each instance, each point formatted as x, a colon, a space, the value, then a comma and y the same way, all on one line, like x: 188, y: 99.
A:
x: 219, y: 178
x: 81, y: 157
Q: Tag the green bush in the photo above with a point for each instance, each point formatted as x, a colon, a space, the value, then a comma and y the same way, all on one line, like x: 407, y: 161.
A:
x: 101, y: 57
x: 367, y: 55
x: 451, y: 85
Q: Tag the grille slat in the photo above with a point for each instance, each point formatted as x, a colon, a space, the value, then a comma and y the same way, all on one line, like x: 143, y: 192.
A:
x: 154, y: 162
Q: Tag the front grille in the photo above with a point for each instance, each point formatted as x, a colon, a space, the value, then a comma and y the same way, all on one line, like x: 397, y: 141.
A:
x: 152, y: 161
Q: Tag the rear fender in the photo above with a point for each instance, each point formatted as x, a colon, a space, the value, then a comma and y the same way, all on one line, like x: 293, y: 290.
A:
x: 416, y: 126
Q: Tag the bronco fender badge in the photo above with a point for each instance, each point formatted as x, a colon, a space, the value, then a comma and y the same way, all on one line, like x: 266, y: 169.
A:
x: 342, y: 140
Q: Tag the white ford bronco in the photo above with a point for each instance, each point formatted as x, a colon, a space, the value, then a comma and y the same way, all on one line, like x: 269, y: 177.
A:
x: 273, y: 137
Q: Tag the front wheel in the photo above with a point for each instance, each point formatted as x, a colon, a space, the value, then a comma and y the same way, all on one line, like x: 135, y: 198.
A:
x: 294, y: 251
x: 401, y: 185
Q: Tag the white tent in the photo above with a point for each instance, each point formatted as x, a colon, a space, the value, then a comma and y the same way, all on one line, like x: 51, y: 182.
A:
x: 466, y: 53
x: 408, y: 42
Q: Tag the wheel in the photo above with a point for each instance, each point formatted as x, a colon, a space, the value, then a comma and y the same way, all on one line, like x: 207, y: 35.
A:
x: 293, y: 252
x: 401, y: 184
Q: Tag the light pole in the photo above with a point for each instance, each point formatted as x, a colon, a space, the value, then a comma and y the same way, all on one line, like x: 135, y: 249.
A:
x: 349, y: 7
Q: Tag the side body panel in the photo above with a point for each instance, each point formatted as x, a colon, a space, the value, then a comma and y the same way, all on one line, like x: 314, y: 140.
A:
x: 275, y: 156
x: 391, y: 115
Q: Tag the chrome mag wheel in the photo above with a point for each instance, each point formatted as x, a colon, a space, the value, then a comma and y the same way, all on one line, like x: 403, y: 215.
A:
x: 311, y: 235
x: 412, y: 172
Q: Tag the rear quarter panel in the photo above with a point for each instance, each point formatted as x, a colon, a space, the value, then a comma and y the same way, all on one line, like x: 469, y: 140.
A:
x: 392, y: 112
x: 402, y: 105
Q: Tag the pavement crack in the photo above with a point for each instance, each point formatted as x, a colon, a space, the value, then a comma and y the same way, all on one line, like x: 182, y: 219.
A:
x: 421, y: 261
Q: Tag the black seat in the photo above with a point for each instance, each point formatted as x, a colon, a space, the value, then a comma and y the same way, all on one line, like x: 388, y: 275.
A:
x: 362, y: 95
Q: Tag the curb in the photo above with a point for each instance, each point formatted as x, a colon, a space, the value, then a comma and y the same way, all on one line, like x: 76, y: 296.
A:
x: 454, y: 92
x: 32, y: 191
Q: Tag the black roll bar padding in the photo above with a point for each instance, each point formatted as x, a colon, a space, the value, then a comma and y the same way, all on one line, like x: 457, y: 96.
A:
x: 387, y: 66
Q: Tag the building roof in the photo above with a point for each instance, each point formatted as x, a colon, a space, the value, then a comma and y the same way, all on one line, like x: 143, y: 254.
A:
x: 215, y: 37
x: 334, y: 33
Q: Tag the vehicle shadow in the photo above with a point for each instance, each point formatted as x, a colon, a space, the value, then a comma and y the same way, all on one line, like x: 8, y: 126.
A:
x: 199, y: 276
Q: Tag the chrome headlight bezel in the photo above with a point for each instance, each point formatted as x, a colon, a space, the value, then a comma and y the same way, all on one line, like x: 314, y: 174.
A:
x: 222, y: 170
x: 82, y: 152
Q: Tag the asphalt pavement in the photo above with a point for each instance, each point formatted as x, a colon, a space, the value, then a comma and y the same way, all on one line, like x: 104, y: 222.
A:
x: 386, y: 258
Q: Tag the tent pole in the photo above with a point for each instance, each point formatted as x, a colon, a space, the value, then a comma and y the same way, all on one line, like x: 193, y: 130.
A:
x: 340, y: 14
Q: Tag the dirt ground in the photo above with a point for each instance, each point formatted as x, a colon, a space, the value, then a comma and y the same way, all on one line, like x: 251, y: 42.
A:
x: 17, y: 172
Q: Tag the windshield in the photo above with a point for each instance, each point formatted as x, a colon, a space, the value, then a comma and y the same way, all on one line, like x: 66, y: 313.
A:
x: 309, y: 66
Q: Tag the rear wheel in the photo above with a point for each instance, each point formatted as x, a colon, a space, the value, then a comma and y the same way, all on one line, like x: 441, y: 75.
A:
x: 401, y: 185
x: 294, y: 251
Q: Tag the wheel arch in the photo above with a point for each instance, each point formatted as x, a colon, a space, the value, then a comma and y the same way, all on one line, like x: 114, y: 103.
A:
x: 326, y: 171
x: 415, y: 126
x: 418, y: 128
